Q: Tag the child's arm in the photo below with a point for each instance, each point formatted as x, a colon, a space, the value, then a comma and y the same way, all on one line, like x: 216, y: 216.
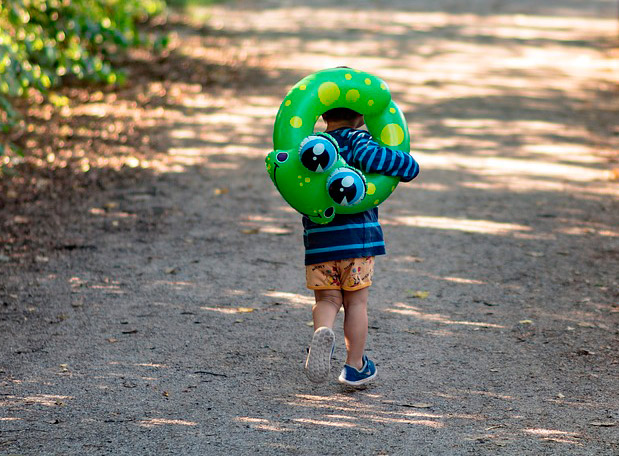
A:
x: 371, y: 157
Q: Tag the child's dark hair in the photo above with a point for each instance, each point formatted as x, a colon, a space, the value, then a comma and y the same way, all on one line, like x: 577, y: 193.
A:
x: 335, y: 114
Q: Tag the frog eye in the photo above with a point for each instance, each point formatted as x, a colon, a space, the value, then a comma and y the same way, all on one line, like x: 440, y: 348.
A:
x: 346, y: 186
x: 317, y: 153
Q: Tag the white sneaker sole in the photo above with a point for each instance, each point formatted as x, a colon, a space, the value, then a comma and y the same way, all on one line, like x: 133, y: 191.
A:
x: 318, y: 363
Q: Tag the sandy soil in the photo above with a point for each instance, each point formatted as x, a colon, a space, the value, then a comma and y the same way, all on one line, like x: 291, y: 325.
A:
x: 157, y: 304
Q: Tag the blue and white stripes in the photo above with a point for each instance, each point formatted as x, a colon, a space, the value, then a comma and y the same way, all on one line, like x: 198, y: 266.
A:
x: 366, y: 154
x: 356, y: 235
x: 349, y: 226
x: 347, y: 236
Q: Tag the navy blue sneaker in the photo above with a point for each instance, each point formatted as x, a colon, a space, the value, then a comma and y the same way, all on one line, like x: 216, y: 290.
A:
x: 353, y: 377
x: 318, y: 363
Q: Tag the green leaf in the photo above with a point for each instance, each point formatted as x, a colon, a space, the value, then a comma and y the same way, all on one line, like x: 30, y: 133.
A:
x: 41, y: 41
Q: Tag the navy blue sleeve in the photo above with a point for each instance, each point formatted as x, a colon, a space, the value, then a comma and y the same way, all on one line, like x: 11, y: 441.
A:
x: 371, y: 157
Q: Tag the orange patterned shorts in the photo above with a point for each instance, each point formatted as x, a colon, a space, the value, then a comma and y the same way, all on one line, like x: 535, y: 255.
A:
x: 350, y: 274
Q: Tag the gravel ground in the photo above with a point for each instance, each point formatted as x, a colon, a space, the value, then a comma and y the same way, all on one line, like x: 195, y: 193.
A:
x: 169, y: 315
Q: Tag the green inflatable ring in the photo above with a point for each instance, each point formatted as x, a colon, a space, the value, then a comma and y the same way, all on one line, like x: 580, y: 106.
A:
x: 306, y: 167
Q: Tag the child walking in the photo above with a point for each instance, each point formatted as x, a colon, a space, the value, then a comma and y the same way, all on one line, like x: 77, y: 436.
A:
x: 339, y: 256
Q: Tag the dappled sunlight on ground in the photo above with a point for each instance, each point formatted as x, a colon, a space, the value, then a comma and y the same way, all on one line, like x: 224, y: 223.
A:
x: 291, y: 298
x: 412, y: 311
x: 228, y: 310
x: 455, y: 61
x: 165, y: 421
x: 262, y: 424
x: 46, y: 400
x: 462, y: 280
x: 474, y: 87
x: 460, y: 58
x: 268, y: 224
x: 180, y: 304
x: 363, y: 412
x: 514, y: 167
x: 456, y: 394
x: 448, y: 223
x: 556, y: 435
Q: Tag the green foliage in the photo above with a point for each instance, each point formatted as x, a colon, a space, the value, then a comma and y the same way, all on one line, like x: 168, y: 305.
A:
x: 189, y: 3
x: 8, y: 119
x: 43, y: 42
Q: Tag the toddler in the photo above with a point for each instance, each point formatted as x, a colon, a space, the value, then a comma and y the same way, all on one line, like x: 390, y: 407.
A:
x: 339, y: 256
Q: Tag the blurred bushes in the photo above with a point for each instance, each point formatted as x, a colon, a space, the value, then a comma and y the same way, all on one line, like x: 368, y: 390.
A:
x: 45, y: 42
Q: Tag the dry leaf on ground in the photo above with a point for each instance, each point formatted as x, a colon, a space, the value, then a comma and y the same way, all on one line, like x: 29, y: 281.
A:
x: 418, y: 294
x: 245, y: 309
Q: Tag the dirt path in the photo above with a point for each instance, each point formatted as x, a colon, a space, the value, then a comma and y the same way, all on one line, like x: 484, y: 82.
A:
x: 172, y: 318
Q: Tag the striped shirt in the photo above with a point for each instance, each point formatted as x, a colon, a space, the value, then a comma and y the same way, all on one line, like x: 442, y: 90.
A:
x: 356, y: 235
x: 360, y: 150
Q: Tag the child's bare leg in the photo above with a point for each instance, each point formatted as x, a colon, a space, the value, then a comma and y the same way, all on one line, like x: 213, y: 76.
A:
x: 328, y: 303
x: 355, y: 325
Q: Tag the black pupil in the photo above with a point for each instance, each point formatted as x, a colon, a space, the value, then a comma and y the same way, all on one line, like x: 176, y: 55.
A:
x: 315, y: 158
x: 338, y: 192
x: 282, y: 156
